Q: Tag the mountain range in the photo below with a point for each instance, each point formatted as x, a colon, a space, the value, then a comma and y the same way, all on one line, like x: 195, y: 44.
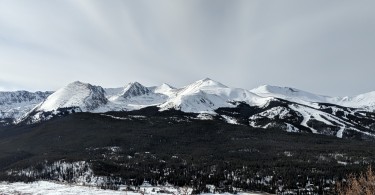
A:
x: 285, y: 108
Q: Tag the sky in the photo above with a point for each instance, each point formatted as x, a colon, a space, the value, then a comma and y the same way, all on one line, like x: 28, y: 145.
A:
x: 322, y: 46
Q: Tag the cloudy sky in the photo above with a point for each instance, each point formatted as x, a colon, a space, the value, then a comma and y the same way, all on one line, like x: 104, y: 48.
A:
x: 322, y: 46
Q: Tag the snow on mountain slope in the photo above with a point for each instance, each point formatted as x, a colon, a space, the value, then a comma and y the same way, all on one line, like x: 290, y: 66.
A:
x: 324, y: 119
x: 77, y: 94
x: 165, y: 89
x: 110, y: 92
x: 17, y: 103
x: 290, y: 94
x: 207, y: 95
x: 265, y: 107
x: 134, y: 96
x: 135, y: 89
x: 364, y: 101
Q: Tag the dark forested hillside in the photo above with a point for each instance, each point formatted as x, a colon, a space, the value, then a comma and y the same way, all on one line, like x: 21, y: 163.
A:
x: 175, y: 147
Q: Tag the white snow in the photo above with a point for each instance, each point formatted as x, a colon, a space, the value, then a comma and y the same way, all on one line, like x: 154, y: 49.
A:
x: 165, y: 89
x: 230, y: 120
x: 202, y: 96
x: 307, y: 114
x: 290, y: 94
x: 110, y: 92
x: 134, y: 96
x: 16, y: 104
x: 130, y: 117
x: 116, y: 117
x: 273, y: 113
x: 54, y: 188
x: 340, y: 132
x: 291, y: 128
x: 205, y: 116
x: 206, y: 95
x: 76, y: 94
x: 364, y: 101
x: 51, y: 188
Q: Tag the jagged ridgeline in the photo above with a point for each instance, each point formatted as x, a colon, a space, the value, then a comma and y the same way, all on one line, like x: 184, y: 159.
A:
x: 269, y: 139
x: 287, y: 109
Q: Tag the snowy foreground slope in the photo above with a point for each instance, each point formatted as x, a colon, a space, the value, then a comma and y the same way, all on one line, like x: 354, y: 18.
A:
x: 285, y: 108
x: 53, y: 188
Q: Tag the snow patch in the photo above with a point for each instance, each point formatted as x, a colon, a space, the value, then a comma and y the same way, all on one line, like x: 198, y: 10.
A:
x: 230, y: 120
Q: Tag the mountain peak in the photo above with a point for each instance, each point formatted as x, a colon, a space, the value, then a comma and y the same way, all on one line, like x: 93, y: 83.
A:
x: 77, y: 83
x: 166, y: 85
x: 208, y: 82
x: 76, y: 94
x: 207, y: 79
x: 135, y: 89
x: 165, y: 89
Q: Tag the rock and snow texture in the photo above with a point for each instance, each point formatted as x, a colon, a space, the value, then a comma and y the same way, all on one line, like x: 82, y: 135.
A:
x: 134, y: 96
x: 203, y: 96
x: 77, y: 94
x: 134, y: 90
x: 364, y: 101
x: 290, y: 94
x: 298, y: 110
x: 18, y: 103
x: 207, y: 95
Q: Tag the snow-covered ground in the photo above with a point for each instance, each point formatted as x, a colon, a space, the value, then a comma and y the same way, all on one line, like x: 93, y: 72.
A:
x: 52, y: 188
x: 49, y: 188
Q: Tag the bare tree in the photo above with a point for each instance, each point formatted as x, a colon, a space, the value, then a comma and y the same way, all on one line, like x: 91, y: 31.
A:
x: 363, y: 184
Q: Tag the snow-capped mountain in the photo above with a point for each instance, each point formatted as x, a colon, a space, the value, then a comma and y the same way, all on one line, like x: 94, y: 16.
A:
x: 14, y: 105
x: 164, y: 89
x: 133, y: 96
x: 290, y: 94
x: 285, y: 108
x: 363, y: 101
x: 207, y: 95
x: 77, y: 94
x: 135, y: 89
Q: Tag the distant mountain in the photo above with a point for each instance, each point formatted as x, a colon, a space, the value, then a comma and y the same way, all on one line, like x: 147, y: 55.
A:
x: 135, y: 89
x: 16, y: 104
x: 290, y: 94
x: 207, y: 95
x: 286, y: 108
x: 77, y: 94
x: 273, y: 139
x: 364, y: 101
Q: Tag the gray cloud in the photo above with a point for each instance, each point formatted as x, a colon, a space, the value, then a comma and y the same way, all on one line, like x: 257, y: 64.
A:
x: 321, y: 46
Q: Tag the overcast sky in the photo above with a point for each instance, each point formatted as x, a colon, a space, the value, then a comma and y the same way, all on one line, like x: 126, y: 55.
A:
x: 323, y: 46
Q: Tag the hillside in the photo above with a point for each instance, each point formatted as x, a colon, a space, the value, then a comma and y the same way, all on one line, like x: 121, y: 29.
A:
x: 178, y: 148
